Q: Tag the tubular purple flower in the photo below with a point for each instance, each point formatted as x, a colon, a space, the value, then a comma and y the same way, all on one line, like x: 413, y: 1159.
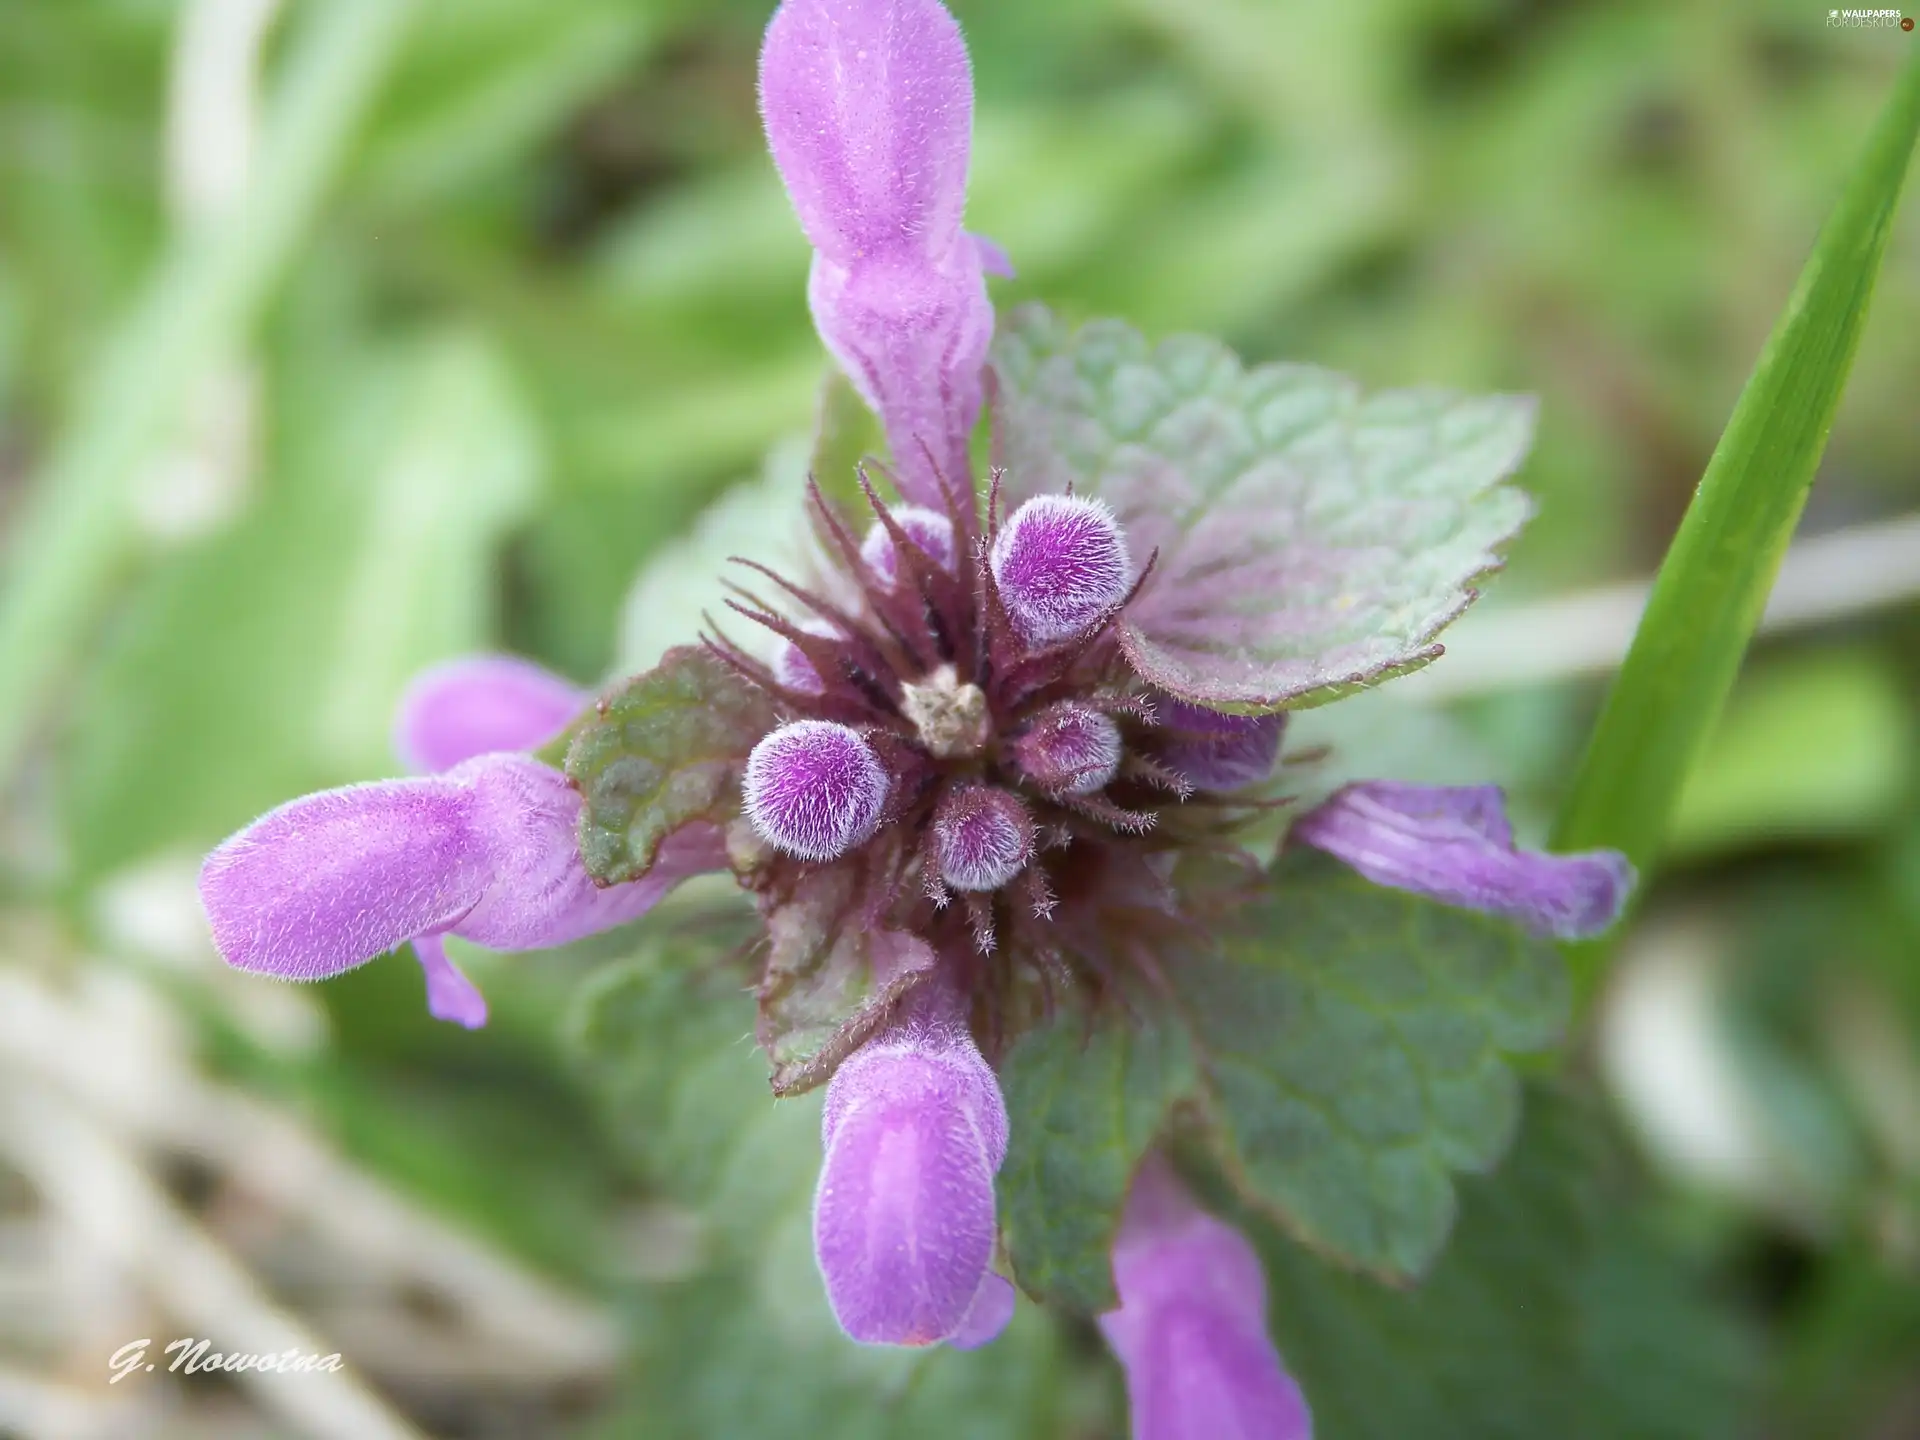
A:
x: 982, y: 838
x: 815, y: 789
x: 486, y: 852
x: 1060, y: 563
x: 903, y: 1222
x: 1191, y: 1330
x: 479, y: 704
x: 868, y: 106
x: 929, y: 529
x: 1214, y: 751
x: 1455, y: 845
x: 1070, y: 749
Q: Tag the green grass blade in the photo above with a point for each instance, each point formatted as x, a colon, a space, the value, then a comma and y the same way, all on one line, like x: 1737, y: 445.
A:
x: 76, y: 532
x: 1714, y: 582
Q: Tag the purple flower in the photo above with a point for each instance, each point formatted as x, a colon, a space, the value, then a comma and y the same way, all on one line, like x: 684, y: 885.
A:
x: 931, y: 531
x: 1455, y: 845
x: 869, y: 112
x: 792, y: 668
x: 1212, y: 751
x: 903, y: 1219
x: 815, y: 789
x: 982, y: 838
x: 486, y: 851
x: 1070, y: 749
x: 1191, y: 1330
x: 1062, y: 566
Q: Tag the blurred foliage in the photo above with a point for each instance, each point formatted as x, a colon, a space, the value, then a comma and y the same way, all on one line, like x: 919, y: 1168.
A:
x: 553, y: 304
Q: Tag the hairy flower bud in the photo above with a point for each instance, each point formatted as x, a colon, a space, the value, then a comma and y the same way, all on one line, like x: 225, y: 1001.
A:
x: 903, y: 1221
x: 792, y: 668
x: 1215, y: 751
x: 1060, y: 562
x: 982, y: 838
x: 815, y: 789
x: 929, y: 529
x: 1069, y: 749
x: 1191, y: 1330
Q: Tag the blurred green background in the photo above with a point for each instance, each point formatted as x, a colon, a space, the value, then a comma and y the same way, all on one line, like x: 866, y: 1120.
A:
x: 367, y: 332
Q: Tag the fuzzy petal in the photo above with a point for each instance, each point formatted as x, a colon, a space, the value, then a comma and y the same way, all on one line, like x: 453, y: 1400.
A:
x: 903, y: 1226
x: 993, y: 257
x: 329, y: 881
x: 912, y: 336
x: 450, y: 994
x: 868, y: 106
x: 527, y: 816
x: 479, y: 704
x: 990, y: 1313
x: 1455, y: 845
x: 1191, y: 1329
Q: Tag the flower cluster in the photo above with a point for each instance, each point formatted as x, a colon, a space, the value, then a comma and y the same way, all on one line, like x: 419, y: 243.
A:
x: 962, y: 749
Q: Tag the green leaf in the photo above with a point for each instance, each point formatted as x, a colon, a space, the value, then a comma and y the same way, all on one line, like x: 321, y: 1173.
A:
x: 1713, y: 584
x: 662, y: 750
x: 1085, y: 1107
x: 1552, y: 1312
x: 818, y: 999
x: 1311, y: 541
x: 1351, y: 1041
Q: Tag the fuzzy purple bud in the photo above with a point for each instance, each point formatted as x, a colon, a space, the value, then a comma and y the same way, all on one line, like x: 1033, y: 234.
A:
x: 982, y: 838
x: 792, y: 668
x: 815, y: 789
x: 1454, y: 844
x: 1069, y: 749
x: 928, y: 529
x: 903, y: 1221
x: 1214, y: 751
x: 1191, y: 1330
x: 1061, y: 563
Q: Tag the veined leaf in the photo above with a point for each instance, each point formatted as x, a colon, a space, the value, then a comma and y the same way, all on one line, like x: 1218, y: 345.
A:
x: 662, y: 750
x: 1312, y: 541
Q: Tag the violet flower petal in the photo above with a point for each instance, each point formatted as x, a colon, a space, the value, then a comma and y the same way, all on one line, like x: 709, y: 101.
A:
x: 486, y: 852
x: 450, y: 994
x: 912, y: 335
x: 993, y: 257
x: 990, y: 1313
x: 1216, y: 751
x: 328, y: 881
x: 1455, y: 845
x: 1191, y: 1330
x: 868, y: 106
x: 903, y: 1226
x: 527, y: 817
x: 479, y: 704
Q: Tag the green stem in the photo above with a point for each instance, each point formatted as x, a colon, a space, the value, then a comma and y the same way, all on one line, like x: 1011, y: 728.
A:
x: 1707, y: 599
x: 76, y: 530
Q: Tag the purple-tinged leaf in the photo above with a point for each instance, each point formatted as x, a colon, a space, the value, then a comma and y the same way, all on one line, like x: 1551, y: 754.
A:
x: 833, y: 976
x: 663, y: 750
x: 1313, y: 541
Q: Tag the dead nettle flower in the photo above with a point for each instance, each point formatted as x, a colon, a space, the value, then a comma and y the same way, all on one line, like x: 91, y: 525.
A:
x: 486, y: 850
x: 967, y: 786
x: 1191, y: 1330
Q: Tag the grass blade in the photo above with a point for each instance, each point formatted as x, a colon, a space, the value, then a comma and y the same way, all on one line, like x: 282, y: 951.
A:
x: 1713, y: 584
